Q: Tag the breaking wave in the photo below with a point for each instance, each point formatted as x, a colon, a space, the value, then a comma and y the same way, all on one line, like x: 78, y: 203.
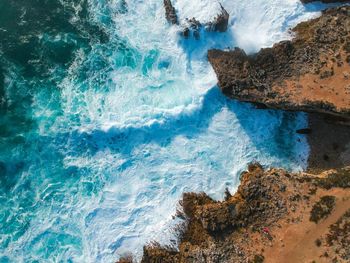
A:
x: 115, y: 116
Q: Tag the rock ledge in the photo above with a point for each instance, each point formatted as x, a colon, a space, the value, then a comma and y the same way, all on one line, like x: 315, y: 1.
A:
x: 309, y: 73
x: 270, y: 217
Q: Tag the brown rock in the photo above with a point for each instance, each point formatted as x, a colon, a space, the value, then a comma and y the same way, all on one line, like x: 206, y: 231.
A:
x: 170, y: 12
x: 262, y: 222
x: 303, y: 74
x: 220, y: 23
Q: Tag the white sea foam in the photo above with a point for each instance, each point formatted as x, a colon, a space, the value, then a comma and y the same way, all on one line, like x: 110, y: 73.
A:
x: 166, y: 76
x: 203, y: 10
x: 158, y: 127
x: 262, y: 23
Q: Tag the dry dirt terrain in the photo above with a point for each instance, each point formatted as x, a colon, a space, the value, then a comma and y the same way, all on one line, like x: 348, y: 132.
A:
x: 309, y: 73
x: 274, y: 216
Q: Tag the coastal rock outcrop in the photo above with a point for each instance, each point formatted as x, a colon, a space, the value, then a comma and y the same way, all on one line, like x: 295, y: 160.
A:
x: 220, y: 22
x: 271, y: 217
x: 309, y: 73
x: 170, y: 12
x: 276, y: 216
x: 192, y: 22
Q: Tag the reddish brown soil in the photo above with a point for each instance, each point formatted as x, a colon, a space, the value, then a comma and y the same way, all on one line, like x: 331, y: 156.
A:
x: 268, y: 218
x: 309, y: 73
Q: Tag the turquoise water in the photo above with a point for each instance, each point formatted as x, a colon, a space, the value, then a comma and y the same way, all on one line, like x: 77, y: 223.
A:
x: 108, y: 116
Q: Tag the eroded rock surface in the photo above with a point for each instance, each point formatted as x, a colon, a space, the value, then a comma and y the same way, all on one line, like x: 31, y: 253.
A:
x: 170, y: 12
x: 267, y: 219
x: 309, y: 73
x: 220, y: 22
x: 192, y: 25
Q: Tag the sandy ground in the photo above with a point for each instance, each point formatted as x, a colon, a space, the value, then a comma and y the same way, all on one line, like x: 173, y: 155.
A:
x: 312, y: 88
x: 296, y: 241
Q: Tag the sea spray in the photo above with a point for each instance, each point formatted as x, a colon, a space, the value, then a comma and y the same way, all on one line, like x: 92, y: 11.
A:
x: 113, y: 115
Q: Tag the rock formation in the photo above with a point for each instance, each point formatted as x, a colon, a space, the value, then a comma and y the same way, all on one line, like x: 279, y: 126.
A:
x: 274, y: 216
x: 309, y: 73
x: 170, y: 12
x: 193, y: 25
x: 220, y: 22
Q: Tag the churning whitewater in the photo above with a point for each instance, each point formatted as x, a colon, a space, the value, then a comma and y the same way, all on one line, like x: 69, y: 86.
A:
x: 118, y: 132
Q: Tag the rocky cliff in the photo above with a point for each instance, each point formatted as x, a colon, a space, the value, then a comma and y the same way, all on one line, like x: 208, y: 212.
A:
x: 309, y: 73
x: 274, y: 215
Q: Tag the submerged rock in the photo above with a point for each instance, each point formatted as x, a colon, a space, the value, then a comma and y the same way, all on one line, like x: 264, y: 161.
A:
x: 304, y: 131
x: 307, y: 73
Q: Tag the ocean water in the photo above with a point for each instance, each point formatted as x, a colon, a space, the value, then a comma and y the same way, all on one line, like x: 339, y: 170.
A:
x: 108, y: 116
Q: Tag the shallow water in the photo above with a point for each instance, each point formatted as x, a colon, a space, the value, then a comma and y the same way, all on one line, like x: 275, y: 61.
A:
x: 108, y: 116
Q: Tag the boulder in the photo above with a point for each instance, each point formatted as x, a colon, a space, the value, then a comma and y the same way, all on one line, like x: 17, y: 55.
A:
x: 170, y: 12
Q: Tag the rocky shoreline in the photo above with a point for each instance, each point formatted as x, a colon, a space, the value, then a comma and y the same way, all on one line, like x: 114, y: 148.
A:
x: 273, y: 215
x: 277, y: 216
x: 309, y: 73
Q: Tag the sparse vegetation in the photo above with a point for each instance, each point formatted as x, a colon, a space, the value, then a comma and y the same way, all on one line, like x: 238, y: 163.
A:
x: 258, y: 259
x: 347, y: 47
x: 322, y: 208
x: 341, y: 179
x: 318, y: 242
x: 339, y: 236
